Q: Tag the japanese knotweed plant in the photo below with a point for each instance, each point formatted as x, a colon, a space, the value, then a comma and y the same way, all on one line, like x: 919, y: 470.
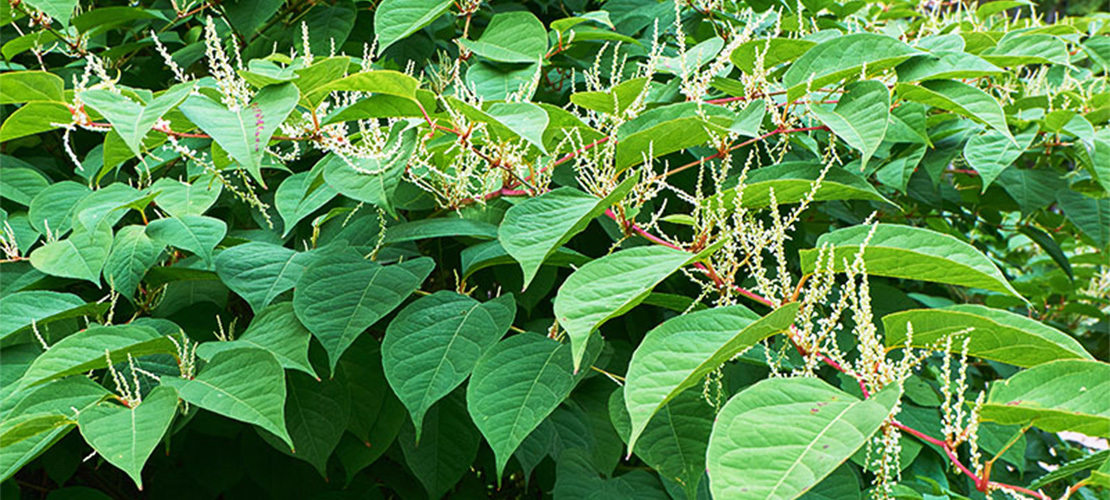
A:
x: 573, y: 249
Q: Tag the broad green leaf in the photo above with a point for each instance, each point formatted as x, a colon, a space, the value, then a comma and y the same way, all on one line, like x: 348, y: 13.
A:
x: 133, y: 254
x: 23, y: 427
x: 179, y: 198
x: 535, y: 228
x: 1090, y: 215
x: 298, y: 197
x: 105, y: 205
x: 842, y: 57
x: 1050, y: 246
x: 674, y: 443
x: 248, y: 16
x: 374, y: 408
x: 751, y: 457
x: 911, y: 253
x: 448, y: 448
x: 1021, y: 49
x: 316, y: 413
x: 196, y: 233
x: 613, y: 102
x: 611, y: 286
x: 21, y: 185
x: 244, y: 133
x: 381, y: 82
x: 25, y: 86
x: 61, y: 10
x: 132, y: 120
x: 576, y: 477
x: 773, y: 51
x: 275, y: 329
x: 442, y: 227
x: 89, y: 349
x: 695, y: 57
x: 340, y: 294
x: 959, y: 98
x: 942, y: 65
x: 40, y: 307
x: 491, y: 253
x: 433, y: 344
x: 244, y: 384
x: 679, y: 353
x: 372, y: 180
x: 259, y: 272
x: 34, y: 117
x: 60, y: 398
x: 53, y: 207
x: 988, y: 9
x: 498, y: 81
x: 397, y: 19
x: 14, y: 457
x: 126, y: 437
x: 997, y: 334
x: 511, y: 37
x: 1066, y: 395
x: 990, y: 152
x: 524, y: 119
x: 675, y: 127
x: 860, y: 116
x: 80, y: 256
x: 516, y: 385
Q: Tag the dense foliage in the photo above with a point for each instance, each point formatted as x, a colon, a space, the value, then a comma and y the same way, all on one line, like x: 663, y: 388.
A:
x: 619, y: 249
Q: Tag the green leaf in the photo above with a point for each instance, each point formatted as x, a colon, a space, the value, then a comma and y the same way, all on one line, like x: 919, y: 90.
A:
x: 611, y: 286
x: 247, y: 16
x: 246, y: 132
x: 524, y: 119
x: 997, y: 334
x: 195, y: 233
x: 911, y: 253
x: 259, y: 272
x: 576, y: 477
x: 511, y: 37
x: 372, y: 180
x: 397, y: 19
x: 774, y: 51
x: 61, y: 10
x: 534, y: 229
x: 60, y: 398
x: 299, y: 196
x: 179, y: 198
x: 679, y: 353
x: 616, y: 100
x: 105, y: 205
x: 53, y: 206
x: 340, y: 294
x: 33, y: 118
x: 1067, y: 395
x: 945, y: 66
x: 89, y: 349
x: 1021, y: 49
x: 24, y: 86
x: 39, y: 307
x: 675, y: 127
x: 442, y: 227
x: 860, y: 116
x: 245, y: 384
x: 1049, y: 245
x: 515, y: 386
x: 80, y: 256
x: 275, y: 329
x: 316, y: 413
x: 498, y: 81
x: 126, y: 437
x: 491, y: 253
x: 433, y: 344
x: 449, y: 446
x: 382, y: 82
x: 132, y: 120
x: 1090, y: 215
x: 675, y: 442
x: 23, y: 427
x: 133, y: 254
x: 990, y: 152
x: 21, y: 185
x: 842, y: 57
x: 959, y: 98
x: 751, y: 457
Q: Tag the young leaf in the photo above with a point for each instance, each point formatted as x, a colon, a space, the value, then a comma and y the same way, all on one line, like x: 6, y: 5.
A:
x: 244, y: 384
x: 434, y: 343
x: 611, y: 286
x: 25, y: 86
x: 274, y: 329
x: 679, y: 353
x: 996, y: 334
x: 340, y: 294
x: 126, y: 437
x: 1066, y: 395
x: 534, y: 229
x: 298, y: 197
x: 911, y: 253
x: 750, y: 455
